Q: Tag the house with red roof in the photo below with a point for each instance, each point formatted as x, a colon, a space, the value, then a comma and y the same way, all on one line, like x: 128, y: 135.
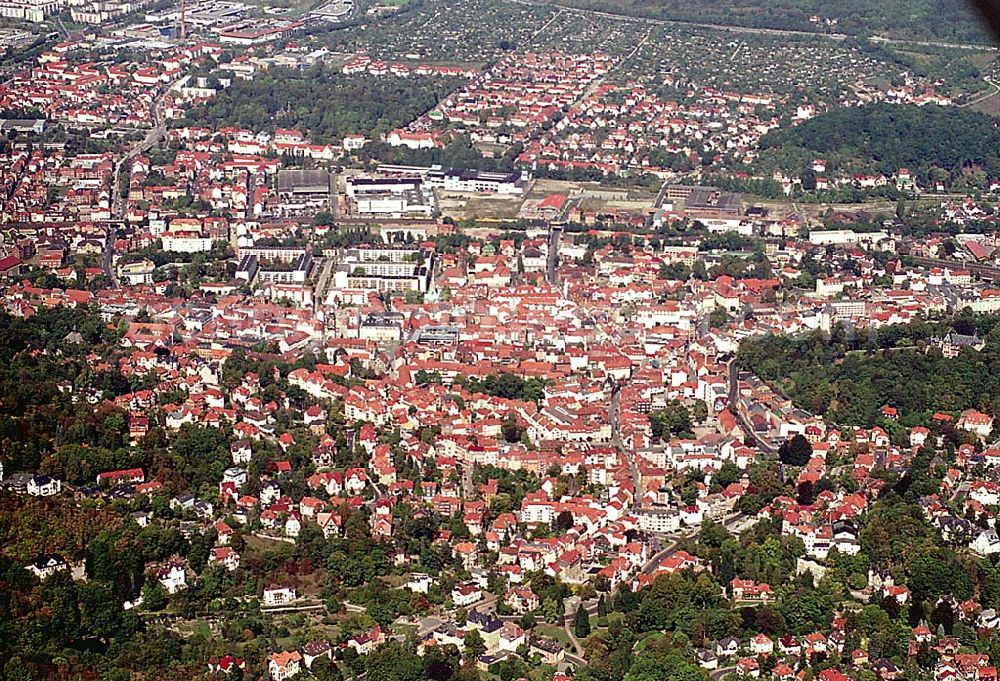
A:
x: 749, y: 590
x: 284, y: 665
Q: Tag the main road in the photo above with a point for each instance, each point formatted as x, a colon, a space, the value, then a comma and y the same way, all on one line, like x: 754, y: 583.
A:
x: 326, y: 270
x: 552, y: 262
x: 152, y: 138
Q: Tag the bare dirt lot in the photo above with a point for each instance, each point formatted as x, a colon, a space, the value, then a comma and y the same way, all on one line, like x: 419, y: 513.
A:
x: 482, y: 207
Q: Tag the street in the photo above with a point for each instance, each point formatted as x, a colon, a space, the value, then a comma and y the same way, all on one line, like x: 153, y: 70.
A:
x: 614, y: 413
x: 553, y: 260
x: 764, y: 445
x: 118, y: 202
x: 656, y: 559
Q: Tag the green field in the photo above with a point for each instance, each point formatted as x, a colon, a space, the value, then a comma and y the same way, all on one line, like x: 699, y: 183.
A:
x: 554, y: 632
x: 943, y: 20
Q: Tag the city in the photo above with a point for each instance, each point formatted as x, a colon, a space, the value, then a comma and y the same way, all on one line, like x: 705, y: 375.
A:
x: 456, y: 340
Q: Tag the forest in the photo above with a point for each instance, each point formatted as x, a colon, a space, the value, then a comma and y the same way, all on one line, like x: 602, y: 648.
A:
x: 323, y: 103
x: 947, y: 20
x: 934, y: 143
x: 848, y: 377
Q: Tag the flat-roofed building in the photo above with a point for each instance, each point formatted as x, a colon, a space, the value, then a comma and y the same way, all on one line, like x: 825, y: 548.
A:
x: 389, y: 268
x: 300, y: 190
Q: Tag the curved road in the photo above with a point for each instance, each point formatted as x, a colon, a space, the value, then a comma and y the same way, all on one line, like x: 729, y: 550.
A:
x: 983, y: 97
x: 654, y: 561
x: 577, y: 648
x: 764, y: 445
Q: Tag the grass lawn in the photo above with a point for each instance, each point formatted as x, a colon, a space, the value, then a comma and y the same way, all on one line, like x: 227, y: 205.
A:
x: 202, y: 628
x: 198, y: 627
x: 264, y: 545
x: 614, y: 617
x: 286, y: 643
x: 405, y: 629
x: 293, y: 6
x: 646, y: 640
x: 601, y: 626
x: 990, y: 105
x: 554, y: 632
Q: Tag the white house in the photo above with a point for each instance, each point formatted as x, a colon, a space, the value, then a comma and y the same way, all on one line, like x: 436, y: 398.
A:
x: 761, y: 645
x: 241, y: 452
x: 235, y: 475
x: 275, y: 594
x: 465, y: 594
x: 46, y: 566
x: 44, y: 486
x: 172, y: 577
x: 411, y: 140
x: 419, y: 582
x: 225, y: 555
x: 976, y: 422
x: 314, y: 650
x: 987, y: 543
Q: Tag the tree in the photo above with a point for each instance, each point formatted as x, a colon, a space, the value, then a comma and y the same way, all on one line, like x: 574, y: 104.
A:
x: 808, y: 179
x: 325, y: 669
x: 943, y: 617
x: 795, y: 451
x: 713, y: 534
x: 674, y: 420
x: 17, y: 670
x: 441, y: 662
x: 474, y: 644
x: 235, y: 369
x: 393, y: 662
x: 602, y: 607
x: 154, y: 597
x: 718, y: 318
x: 564, y: 521
x: 424, y: 377
x: 726, y: 475
x: 699, y: 411
x: 805, y: 493
x: 885, y: 138
x: 675, y: 271
x: 581, y: 622
x: 510, y: 429
x: 768, y: 621
x: 934, y: 571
